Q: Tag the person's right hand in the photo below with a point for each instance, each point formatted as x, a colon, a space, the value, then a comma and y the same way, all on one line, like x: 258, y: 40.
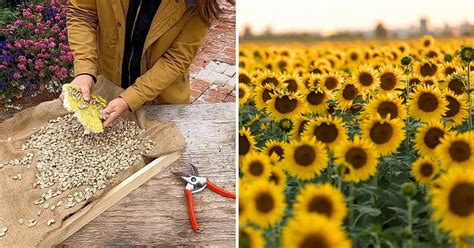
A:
x: 85, y: 82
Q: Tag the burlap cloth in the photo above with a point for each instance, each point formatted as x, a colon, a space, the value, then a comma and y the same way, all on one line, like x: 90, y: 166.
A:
x: 17, y: 197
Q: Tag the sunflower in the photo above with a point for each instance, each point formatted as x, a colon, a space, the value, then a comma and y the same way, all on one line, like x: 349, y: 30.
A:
x: 268, y: 77
x: 306, y: 158
x: 457, y: 108
x: 244, y: 77
x: 427, y: 103
x: 453, y: 202
x: 331, y: 80
x: 256, y: 166
x: 384, y: 133
x: 428, y: 137
x: 390, y: 79
x: 365, y: 78
x: 323, y: 200
x: 346, y: 95
x: 449, y: 69
x: 424, y: 170
x: 427, y: 68
x: 244, y: 93
x: 429, y: 81
x: 455, y: 84
x: 316, y: 99
x: 359, y: 158
x: 250, y: 238
x: 274, y: 147
x: 284, y: 104
x: 314, y: 231
x: 292, y: 82
x: 427, y: 41
x: 329, y: 130
x: 354, y: 56
x: 457, y: 150
x: 266, y: 203
x: 278, y: 177
x: 385, y: 105
x: 263, y: 94
x: 246, y: 142
x: 299, y: 125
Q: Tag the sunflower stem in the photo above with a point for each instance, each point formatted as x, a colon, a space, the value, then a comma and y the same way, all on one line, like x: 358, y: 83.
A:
x: 410, y: 220
x: 407, y: 93
x: 469, y: 93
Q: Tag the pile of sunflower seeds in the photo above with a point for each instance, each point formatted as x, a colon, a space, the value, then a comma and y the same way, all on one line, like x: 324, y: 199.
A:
x: 67, y: 158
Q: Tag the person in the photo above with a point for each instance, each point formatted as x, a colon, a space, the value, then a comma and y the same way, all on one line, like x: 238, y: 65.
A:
x: 144, y: 46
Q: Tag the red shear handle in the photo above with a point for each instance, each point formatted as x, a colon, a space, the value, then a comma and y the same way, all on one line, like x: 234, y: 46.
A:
x: 219, y: 190
x: 192, y: 216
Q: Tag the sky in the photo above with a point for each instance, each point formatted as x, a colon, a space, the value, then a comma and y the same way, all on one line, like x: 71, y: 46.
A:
x: 327, y: 16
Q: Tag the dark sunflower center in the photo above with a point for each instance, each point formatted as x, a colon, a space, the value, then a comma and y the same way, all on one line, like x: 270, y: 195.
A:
x: 292, y: 86
x: 274, y: 178
x: 315, y: 98
x: 350, y: 92
x: 285, y: 105
x: 431, y: 54
x: 278, y: 150
x: 381, y: 133
x: 270, y: 80
x: 331, y: 83
x: 428, y: 69
x: 317, y: 71
x: 244, y: 145
x: 304, y: 155
x: 388, y: 81
x: 320, y: 204
x: 302, y: 126
x: 366, y: 79
x: 461, y: 199
x: 313, y: 240
x: 244, y: 78
x: 256, y: 168
x: 241, y: 93
x: 357, y: 157
x: 453, y: 106
x: 427, y: 102
x: 266, y: 95
x: 326, y: 133
x: 264, y: 202
x: 460, y: 151
x: 386, y: 108
x: 449, y: 70
x: 456, y: 86
x: 426, y: 43
x: 426, y: 169
x: 414, y: 81
x: 429, y: 82
x: 432, y: 137
x: 354, y: 56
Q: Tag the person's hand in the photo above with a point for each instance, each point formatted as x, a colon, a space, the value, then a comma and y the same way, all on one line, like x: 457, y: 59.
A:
x: 85, y: 82
x: 115, y: 108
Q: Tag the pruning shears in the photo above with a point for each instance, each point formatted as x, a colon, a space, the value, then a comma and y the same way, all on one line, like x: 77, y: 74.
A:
x: 196, y: 184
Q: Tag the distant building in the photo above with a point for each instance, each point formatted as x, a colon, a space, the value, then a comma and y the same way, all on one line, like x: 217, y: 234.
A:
x: 466, y: 29
x: 424, y: 29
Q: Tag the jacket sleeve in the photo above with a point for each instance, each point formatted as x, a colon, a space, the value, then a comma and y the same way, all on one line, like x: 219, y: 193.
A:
x: 82, y: 25
x: 171, y: 65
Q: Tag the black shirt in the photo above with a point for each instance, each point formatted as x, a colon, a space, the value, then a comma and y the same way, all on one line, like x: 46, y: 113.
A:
x: 139, y: 17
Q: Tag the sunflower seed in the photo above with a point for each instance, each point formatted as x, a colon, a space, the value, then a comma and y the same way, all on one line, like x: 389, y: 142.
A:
x: 21, y: 221
x: 32, y: 222
x: 51, y: 221
x: 3, y: 231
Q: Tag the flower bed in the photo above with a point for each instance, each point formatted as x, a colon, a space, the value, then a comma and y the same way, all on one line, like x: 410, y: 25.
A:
x: 35, y: 58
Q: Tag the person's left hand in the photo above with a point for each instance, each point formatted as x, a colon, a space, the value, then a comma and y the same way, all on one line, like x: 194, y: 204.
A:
x: 115, y: 108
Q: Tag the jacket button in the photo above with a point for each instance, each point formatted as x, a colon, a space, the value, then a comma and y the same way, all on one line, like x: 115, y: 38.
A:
x: 119, y: 24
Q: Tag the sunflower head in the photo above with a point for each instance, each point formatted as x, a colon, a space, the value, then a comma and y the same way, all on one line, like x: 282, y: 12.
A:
x: 285, y: 104
x: 457, y: 150
x: 329, y: 130
x: 274, y: 147
x: 453, y: 202
x: 466, y: 53
x: 390, y: 78
x: 306, y: 158
x: 424, y: 170
x: 428, y: 137
x: 246, y: 142
x: 266, y: 203
x: 385, y: 105
x: 256, y: 166
x: 384, y: 133
x: 427, y: 103
x: 250, y: 238
x: 324, y: 200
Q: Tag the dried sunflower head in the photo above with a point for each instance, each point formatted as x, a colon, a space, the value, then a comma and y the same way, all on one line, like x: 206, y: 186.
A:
x: 88, y: 113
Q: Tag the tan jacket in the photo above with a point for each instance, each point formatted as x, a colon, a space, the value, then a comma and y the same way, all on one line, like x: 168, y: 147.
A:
x: 96, y: 34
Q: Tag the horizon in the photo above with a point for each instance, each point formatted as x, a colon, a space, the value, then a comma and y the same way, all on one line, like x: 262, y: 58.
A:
x: 310, y: 19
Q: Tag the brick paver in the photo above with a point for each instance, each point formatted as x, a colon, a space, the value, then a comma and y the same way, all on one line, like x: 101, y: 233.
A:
x: 213, y: 72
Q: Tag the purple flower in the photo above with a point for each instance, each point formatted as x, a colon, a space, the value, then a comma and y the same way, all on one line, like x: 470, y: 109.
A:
x: 3, y: 85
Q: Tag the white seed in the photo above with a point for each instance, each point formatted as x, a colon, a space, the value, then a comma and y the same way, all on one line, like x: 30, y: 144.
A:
x: 51, y: 221
x: 33, y: 222
x: 3, y: 231
x: 21, y: 221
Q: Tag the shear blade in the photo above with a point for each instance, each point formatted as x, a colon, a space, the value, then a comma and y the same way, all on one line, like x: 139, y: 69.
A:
x: 195, y: 170
x: 180, y: 174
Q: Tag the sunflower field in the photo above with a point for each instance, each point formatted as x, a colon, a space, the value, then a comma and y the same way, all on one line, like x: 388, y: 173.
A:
x: 348, y: 144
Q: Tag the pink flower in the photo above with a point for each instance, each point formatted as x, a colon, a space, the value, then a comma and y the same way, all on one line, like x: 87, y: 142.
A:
x: 21, y: 67
x: 18, y: 23
x: 52, y: 44
x: 39, y: 8
x: 22, y: 59
x: 39, y: 64
x: 31, y: 26
x: 16, y: 75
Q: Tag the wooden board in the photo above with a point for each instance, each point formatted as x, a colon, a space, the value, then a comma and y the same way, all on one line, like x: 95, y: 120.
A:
x: 94, y: 209
x: 155, y: 214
